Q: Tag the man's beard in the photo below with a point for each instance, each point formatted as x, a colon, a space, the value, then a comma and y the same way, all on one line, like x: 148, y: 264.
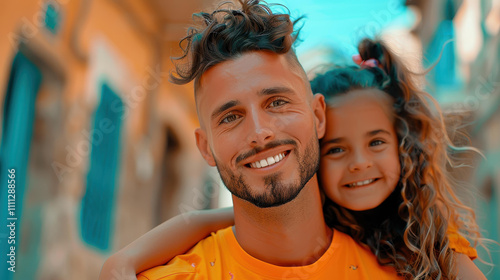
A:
x: 276, y: 191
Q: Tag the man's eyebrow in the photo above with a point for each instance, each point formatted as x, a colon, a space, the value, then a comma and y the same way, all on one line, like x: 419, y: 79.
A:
x: 274, y: 90
x: 375, y: 132
x: 224, y: 107
x: 266, y: 91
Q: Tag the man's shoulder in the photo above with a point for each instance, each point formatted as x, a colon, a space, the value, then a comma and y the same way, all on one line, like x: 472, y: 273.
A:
x: 352, y: 260
x: 191, y: 265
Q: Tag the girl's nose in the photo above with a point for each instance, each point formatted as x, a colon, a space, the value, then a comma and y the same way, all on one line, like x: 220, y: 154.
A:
x: 360, y: 162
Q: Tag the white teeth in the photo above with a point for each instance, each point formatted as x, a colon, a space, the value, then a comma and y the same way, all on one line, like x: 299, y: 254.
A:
x: 268, y: 161
x: 361, y: 183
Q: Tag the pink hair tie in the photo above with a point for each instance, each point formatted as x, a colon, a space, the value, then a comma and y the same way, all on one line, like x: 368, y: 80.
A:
x: 372, y: 62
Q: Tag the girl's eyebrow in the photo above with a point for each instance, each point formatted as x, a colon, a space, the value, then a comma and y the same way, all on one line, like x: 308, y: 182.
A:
x: 378, y: 131
x: 334, y: 140
x: 370, y: 134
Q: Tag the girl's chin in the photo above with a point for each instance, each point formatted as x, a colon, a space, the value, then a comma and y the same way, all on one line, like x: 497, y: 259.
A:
x: 359, y: 207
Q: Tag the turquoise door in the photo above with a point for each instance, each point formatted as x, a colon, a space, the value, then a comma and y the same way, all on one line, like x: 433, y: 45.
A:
x: 18, y: 117
x: 97, y: 209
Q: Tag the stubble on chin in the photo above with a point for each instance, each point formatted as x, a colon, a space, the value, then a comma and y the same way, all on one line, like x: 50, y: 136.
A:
x: 276, y: 192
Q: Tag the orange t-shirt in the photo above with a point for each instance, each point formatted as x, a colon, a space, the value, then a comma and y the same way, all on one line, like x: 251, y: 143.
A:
x: 219, y: 256
x: 460, y: 244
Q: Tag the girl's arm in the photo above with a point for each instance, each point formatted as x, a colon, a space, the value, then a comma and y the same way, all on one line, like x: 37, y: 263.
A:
x: 466, y: 268
x: 164, y: 242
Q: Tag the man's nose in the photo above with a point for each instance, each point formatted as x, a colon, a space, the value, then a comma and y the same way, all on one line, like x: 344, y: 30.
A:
x: 360, y: 162
x: 261, y: 130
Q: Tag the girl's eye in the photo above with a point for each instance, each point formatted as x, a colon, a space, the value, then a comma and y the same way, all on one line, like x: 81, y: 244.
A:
x: 277, y: 103
x: 229, y: 118
x: 335, y: 150
x: 376, y: 143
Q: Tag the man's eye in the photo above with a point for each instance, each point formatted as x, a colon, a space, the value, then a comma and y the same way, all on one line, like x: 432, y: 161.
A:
x: 335, y: 150
x: 230, y: 118
x: 376, y: 142
x: 277, y: 103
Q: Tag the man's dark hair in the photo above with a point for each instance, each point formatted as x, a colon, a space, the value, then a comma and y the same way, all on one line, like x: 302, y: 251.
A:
x: 227, y: 33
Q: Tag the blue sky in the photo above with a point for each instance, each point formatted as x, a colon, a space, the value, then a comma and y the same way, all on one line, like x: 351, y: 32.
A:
x: 342, y: 23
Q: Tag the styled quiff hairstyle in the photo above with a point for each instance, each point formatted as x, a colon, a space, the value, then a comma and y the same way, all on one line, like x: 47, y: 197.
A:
x: 227, y: 33
x: 411, y: 229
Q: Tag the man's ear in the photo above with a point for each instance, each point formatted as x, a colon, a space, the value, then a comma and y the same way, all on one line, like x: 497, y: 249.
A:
x: 202, y: 143
x: 319, y: 109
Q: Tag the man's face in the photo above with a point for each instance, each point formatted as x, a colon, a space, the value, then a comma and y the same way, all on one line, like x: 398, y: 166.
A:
x: 260, y: 126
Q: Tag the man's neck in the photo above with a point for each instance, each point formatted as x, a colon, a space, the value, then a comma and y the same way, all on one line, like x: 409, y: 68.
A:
x: 293, y: 234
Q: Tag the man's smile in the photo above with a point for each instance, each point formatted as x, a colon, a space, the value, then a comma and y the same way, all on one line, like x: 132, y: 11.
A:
x: 268, y: 161
x: 267, y: 158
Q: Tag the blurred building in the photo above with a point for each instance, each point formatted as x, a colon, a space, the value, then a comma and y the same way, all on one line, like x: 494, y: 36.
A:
x: 101, y: 143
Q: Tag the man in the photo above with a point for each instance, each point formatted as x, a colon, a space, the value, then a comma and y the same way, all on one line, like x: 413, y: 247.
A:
x: 260, y: 125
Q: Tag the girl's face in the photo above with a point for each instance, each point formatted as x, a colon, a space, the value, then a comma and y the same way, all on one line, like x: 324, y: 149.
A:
x: 359, y: 153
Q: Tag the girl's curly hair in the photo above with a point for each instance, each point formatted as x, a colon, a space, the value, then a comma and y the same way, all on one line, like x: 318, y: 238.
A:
x: 412, y: 232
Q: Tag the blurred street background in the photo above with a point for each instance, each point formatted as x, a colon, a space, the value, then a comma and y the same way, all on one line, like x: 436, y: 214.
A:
x: 103, y: 145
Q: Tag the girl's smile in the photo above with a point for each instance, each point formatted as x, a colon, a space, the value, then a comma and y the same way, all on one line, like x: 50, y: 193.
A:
x: 361, y: 183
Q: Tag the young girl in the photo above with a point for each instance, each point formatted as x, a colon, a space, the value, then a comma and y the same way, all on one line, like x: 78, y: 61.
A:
x: 383, y: 171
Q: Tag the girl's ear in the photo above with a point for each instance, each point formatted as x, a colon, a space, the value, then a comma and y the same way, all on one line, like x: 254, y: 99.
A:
x: 319, y: 109
x: 203, y: 146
